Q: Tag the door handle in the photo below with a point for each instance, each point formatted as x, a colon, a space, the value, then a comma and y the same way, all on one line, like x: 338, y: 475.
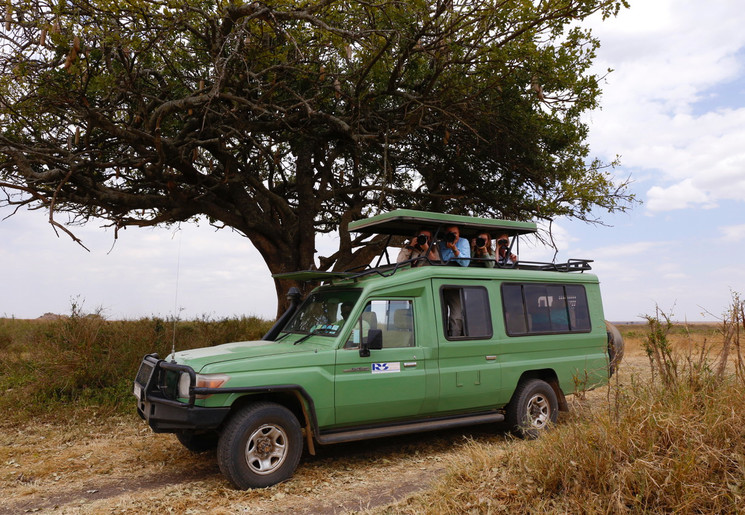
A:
x: 408, y: 364
x: 491, y: 358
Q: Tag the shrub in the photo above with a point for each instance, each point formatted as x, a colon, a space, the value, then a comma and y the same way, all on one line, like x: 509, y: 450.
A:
x: 85, y: 360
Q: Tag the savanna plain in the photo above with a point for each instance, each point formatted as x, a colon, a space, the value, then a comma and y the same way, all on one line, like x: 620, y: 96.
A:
x: 666, y: 435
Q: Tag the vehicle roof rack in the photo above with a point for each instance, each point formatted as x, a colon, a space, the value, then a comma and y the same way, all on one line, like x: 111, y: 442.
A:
x: 572, y: 265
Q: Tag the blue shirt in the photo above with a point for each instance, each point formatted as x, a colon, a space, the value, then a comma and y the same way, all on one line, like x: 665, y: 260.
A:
x: 463, y: 248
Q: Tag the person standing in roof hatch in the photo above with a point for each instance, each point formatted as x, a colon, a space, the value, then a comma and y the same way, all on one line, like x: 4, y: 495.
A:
x: 420, y: 246
x: 504, y: 257
x: 455, y: 249
x: 481, y: 249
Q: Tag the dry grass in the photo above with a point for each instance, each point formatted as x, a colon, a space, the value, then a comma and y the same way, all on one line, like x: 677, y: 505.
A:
x: 48, y: 368
x: 120, y: 466
x: 653, y: 443
x: 663, y: 455
x: 640, y: 445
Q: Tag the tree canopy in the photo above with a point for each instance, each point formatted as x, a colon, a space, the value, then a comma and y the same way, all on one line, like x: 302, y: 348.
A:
x: 282, y: 120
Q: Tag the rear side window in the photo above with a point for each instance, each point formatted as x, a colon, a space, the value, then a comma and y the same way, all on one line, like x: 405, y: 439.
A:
x: 466, y: 312
x: 545, y: 308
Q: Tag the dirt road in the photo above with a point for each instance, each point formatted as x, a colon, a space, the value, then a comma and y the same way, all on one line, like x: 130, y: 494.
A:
x: 118, y: 466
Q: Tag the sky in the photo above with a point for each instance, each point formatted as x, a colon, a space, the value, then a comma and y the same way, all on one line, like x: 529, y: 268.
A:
x: 673, y: 110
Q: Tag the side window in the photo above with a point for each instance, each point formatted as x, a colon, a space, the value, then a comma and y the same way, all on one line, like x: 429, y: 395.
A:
x: 541, y: 308
x: 514, y: 310
x: 579, y: 312
x: 394, y: 318
x: 466, y: 312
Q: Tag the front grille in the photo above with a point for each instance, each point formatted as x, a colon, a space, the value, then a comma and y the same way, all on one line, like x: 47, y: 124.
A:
x: 143, y: 375
x: 168, y: 383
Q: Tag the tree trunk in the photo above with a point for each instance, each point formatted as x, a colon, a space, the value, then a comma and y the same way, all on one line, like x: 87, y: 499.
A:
x: 295, y: 250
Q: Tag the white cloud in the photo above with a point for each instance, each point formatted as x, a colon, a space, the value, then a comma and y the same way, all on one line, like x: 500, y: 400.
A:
x: 670, y: 59
x: 678, y: 196
x: 627, y: 250
x: 192, y: 272
x: 733, y: 233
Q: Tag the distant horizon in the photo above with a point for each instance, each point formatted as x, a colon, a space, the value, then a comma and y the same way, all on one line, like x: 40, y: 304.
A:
x: 54, y: 316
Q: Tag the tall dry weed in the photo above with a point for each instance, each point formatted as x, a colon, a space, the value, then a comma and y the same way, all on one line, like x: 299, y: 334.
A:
x: 732, y: 326
x: 675, y: 444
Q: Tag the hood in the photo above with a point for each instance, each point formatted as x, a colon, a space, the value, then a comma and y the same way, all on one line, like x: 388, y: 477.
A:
x: 199, y: 358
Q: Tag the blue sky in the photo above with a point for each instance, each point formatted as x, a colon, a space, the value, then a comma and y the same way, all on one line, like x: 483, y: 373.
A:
x: 673, y: 110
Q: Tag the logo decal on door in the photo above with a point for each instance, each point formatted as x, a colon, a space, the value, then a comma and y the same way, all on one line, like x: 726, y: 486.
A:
x: 385, y: 368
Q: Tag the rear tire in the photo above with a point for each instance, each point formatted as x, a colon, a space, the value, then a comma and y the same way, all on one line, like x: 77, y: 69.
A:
x: 260, y: 446
x: 615, y: 348
x: 533, y: 409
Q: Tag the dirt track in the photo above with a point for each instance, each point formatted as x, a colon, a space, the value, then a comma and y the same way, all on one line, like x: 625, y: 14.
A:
x: 120, y: 466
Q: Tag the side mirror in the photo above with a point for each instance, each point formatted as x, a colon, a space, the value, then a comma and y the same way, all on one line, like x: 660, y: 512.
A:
x: 374, y: 342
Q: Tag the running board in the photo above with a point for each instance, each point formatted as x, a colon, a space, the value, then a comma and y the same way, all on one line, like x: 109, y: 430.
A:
x: 413, y: 427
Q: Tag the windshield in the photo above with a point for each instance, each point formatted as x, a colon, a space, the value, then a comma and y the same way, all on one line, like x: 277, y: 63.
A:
x: 323, y: 313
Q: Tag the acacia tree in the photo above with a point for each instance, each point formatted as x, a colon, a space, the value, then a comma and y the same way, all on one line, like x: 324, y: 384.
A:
x: 281, y: 120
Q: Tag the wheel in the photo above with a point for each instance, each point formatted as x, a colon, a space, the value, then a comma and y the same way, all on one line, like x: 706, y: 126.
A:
x: 615, y: 348
x: 260, y: 446
x: 533, y: 408
x: 198, y: 442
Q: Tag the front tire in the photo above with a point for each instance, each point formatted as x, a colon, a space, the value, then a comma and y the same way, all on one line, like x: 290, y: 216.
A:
x: 260, y: 446
x: 533, y: 408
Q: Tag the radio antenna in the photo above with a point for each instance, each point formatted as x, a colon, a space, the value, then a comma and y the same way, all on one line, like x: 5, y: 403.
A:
x: 176, y: 311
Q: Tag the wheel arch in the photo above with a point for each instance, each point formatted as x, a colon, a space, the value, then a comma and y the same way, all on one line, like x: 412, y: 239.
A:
x: 549, y: 376
x: 292, y: 397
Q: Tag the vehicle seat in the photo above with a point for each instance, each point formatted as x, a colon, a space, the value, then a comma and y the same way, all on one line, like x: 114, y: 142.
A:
x: 371, y: 318
x: 402, y: 334
x: 540, y: 320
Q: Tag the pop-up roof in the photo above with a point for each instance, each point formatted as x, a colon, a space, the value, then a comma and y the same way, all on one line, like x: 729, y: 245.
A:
x: 405, y: 222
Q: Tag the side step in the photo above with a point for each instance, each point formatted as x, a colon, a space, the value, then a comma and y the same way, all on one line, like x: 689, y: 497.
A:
x: 412, y: 427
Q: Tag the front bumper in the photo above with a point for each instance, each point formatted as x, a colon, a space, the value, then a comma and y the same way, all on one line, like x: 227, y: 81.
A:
x: 156, y: 390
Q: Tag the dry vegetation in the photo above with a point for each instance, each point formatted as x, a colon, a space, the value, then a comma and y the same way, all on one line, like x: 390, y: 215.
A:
x: 667, y: 436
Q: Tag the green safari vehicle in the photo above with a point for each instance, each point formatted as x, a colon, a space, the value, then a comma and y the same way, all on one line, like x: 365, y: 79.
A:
x: 376, y: 353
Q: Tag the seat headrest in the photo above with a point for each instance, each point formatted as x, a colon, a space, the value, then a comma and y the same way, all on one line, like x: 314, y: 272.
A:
x: 371, y: 318
x: 403, y: 319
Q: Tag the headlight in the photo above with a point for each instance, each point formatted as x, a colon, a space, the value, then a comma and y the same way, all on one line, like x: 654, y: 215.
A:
x: 183, y: 385
x: 203, y: 381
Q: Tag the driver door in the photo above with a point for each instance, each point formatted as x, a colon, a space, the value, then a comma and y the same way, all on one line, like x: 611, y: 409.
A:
x: 390, y: 383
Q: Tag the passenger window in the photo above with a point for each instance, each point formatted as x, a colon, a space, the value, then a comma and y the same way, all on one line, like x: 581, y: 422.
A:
x: 395, y: 318
x: 579, y: 313
x: 466, y: 313
x: 541, y: 308
x: 514, y: 311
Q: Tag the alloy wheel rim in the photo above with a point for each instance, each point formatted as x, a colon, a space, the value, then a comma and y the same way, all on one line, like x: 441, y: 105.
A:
x: 266, y: 449
x: 539, y: 411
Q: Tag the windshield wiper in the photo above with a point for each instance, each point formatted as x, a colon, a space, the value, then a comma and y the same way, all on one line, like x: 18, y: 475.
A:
x: 317, y: 330
x: 283, y: 336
